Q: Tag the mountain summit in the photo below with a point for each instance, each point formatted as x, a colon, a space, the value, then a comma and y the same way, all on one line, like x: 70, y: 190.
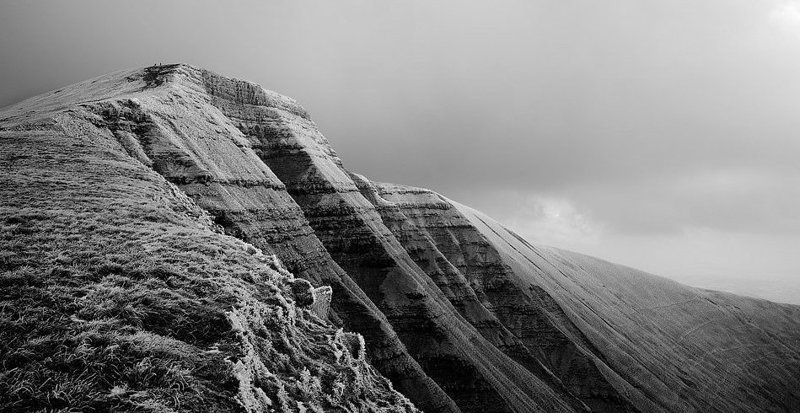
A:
x: 173, y: 240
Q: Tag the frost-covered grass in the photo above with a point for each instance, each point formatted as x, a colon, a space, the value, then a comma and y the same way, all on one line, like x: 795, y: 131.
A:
x: 117, y: 294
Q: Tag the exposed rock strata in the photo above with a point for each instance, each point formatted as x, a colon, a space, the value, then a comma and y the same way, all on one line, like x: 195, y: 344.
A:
x: 353, y: 233
x: 664, y: 346
x: 202, y: 152
x: 531, y: 328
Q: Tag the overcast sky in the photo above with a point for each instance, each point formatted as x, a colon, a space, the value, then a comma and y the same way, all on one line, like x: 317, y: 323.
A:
x: 664, y: 135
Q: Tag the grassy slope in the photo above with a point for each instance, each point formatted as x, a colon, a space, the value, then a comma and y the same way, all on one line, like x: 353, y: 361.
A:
x: 115, y: 293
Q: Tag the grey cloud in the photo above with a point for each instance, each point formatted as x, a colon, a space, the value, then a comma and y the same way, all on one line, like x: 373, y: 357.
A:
x: 620, y: 108
x: 747, y: 201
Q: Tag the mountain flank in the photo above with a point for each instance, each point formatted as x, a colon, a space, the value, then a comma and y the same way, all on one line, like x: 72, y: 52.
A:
x: 175, y: 240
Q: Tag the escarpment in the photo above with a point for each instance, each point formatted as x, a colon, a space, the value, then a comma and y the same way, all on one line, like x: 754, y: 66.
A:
x: 353, y: 233
x: 194, y: 145
x: 205, y: 246
x: 531, y: 327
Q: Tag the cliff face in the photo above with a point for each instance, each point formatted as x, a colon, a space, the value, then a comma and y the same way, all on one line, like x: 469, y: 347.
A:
x: 225, y: 174
x: 353, y: 232
x: 458, y: 312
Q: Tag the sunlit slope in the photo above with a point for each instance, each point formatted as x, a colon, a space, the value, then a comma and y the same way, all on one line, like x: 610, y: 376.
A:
x: 667, y: 346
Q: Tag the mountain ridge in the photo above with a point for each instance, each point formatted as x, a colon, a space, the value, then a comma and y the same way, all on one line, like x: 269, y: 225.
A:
x: 433, y: 286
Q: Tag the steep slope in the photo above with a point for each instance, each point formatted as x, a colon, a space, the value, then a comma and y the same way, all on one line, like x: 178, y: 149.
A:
x: 458, y: 312
x: 116, y: 293
x: 353, y: 233
x: 465, y: 264
x: 666, y: 346
x: 180, y: 129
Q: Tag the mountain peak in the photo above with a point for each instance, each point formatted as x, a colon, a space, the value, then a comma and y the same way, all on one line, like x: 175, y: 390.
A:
x: 178, y: 78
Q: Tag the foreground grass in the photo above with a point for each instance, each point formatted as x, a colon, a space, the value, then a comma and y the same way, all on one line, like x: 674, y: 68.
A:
x: 117, y: 294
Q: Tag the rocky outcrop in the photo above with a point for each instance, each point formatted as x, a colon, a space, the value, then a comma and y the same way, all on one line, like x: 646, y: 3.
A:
x: 339, y: 274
